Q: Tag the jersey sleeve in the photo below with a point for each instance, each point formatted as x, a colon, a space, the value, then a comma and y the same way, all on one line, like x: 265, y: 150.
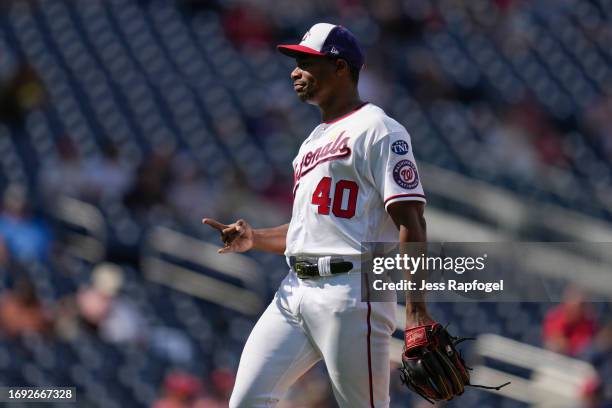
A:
x: 394, y: 169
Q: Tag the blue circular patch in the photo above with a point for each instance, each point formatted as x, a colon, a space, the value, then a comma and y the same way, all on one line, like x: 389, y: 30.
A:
x: 405, y: 174
x: 400, y: 147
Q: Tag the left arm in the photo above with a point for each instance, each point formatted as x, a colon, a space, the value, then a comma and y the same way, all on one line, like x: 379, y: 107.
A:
x: 408, y: 217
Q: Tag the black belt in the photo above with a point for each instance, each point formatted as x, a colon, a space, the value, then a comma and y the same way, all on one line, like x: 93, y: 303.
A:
x: 308, y: 267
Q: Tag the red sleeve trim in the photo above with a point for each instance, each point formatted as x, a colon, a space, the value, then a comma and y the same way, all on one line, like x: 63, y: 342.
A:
x: 404, y: 195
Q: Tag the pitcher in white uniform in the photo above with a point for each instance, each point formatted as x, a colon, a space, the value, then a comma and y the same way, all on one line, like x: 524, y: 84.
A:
x: 355, y: 180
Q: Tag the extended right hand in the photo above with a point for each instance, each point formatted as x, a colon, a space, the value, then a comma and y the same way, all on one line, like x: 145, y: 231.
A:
x: 237, y: 237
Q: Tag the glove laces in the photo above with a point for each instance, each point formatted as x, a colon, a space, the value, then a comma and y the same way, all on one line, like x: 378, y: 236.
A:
x: 459, y: 340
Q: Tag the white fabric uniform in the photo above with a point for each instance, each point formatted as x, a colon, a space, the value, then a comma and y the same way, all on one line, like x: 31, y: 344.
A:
x: 346, y: 174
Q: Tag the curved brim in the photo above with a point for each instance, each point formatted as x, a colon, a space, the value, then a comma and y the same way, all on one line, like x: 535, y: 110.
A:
x: 296, y: 50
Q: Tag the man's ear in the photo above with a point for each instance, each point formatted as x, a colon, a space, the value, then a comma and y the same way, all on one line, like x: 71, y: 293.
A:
x: 342, y: 67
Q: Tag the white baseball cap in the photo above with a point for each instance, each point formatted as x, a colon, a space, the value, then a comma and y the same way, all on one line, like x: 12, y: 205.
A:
x: 327, y: 40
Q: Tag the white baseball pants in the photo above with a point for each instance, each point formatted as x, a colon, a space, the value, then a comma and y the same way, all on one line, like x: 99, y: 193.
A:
x: 309, y: 320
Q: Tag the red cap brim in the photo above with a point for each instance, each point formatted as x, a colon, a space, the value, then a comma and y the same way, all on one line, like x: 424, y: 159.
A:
x: 295, y: 50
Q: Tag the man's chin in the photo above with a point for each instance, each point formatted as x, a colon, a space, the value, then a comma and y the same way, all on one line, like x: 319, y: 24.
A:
x: 307, y: 98
x: 304, y: 95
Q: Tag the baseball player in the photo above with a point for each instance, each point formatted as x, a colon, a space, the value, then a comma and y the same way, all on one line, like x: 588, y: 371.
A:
x: 355, y: 180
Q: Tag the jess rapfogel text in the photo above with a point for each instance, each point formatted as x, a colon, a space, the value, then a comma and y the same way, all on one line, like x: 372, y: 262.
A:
x: 473, y: 286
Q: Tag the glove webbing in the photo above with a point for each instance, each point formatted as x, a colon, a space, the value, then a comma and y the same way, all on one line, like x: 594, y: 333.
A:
x: 457, y: 340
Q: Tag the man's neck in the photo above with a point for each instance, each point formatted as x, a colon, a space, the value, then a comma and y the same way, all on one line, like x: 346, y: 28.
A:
x: 339, y: 106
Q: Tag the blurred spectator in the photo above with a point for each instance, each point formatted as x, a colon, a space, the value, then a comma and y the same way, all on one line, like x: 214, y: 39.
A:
x: 26, y: 237
x: 189, y: 193
x: 21, y: 312
x: 106, y: 176
x: 373, y: 87
x: 599, y: 353
x: 510, y: 148
x: 23, y: 92
x: 100, y: 308
x: 597, y: 122
x: 64, y: 176
x: 548, y: 146
x: 540, y: 130
x: 171, y: 345
x: 513, y: 141
x: 118, y: 320
x: 222, y: 380
x: 247, y: 27
x: 5, y: 258
x: 569, y: 327
x: 150, y: 184
x: 217, y: 391
x: 179, y: 391
x: 592, y: 395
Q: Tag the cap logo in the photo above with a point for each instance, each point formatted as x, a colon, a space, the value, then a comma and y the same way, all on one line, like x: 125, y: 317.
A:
x: 306, y: 36
x: 334, y: 51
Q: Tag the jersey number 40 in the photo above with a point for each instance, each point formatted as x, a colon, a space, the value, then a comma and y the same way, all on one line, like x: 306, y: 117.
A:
x: 340, y: 209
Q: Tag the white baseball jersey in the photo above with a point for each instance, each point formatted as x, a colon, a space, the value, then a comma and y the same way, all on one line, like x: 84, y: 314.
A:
x: 346, y: 174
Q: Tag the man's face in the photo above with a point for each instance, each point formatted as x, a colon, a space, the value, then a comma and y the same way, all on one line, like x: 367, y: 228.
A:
x: 313, y: 78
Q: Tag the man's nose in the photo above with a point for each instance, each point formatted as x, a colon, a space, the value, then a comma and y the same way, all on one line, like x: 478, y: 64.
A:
x: 296, y: 73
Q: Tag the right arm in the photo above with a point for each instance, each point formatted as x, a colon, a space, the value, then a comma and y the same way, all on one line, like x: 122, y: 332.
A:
x: 240, y: 237
x: 271, y: 239
x: 409, y: 219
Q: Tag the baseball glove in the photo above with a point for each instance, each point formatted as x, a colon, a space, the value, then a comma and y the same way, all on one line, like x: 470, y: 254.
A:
x: 432, y: 366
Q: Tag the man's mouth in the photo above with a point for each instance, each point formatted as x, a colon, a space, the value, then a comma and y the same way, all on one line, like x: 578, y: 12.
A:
x: 298, y: 87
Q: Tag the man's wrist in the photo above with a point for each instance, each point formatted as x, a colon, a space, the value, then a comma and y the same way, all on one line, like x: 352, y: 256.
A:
x: 417, y: 315
x: 255, y: 238
x: 415, y: 306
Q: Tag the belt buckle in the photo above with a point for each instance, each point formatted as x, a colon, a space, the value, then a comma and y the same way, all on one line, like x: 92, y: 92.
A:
x: 301, y: 269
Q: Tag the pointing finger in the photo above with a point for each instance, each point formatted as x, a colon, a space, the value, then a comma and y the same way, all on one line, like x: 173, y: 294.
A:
x: 214, y: 224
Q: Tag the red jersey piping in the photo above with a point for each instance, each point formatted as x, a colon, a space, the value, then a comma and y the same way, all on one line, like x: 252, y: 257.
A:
x: 346, y: 114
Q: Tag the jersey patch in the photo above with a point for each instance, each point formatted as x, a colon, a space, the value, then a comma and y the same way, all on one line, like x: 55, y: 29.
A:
x: 405, y: 174
x: 400, y: 147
